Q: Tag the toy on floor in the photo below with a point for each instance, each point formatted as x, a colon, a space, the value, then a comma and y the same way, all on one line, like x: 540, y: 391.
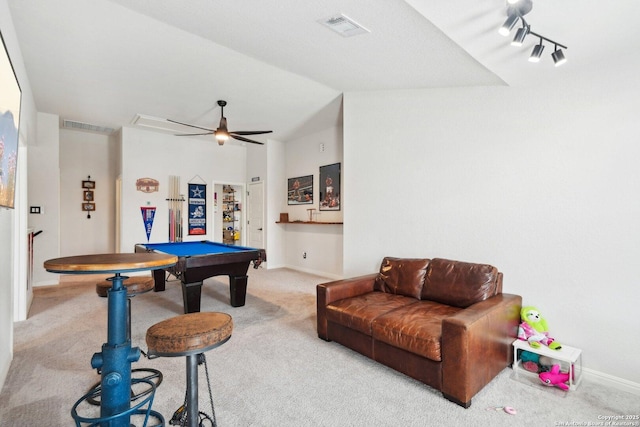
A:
x: 534, y: 329
x: 508, y: 409
x: 555, y: 378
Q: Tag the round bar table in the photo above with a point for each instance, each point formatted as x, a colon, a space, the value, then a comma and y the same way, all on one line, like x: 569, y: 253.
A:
x: 117, y: 355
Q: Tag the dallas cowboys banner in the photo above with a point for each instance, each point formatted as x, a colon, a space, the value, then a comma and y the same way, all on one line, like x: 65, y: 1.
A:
x: 197, y: 209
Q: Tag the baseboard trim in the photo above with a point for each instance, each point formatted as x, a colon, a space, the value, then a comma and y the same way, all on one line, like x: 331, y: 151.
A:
x: 43, y: 283
x: 5, y: 364
x: 611, y: 381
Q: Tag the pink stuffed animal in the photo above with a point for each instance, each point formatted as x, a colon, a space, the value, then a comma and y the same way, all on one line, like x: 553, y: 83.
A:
x: 555, y: 378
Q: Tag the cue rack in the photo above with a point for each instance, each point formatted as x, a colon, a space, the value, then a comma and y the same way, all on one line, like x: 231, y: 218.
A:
x: 175, y: 200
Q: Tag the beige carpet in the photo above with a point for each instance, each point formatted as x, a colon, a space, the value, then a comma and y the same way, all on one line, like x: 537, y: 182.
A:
x: 274, y: 371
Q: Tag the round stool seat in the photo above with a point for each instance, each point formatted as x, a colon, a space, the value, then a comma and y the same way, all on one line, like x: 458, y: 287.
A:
x: 135, y: 285
x: 188, y: 334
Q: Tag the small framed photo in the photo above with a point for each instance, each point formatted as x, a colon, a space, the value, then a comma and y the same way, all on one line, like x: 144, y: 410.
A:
x: 89, y: 184
x: 300, y: 190
x: 88, y: 207
x: 88, y: 195
x: 330, y: 187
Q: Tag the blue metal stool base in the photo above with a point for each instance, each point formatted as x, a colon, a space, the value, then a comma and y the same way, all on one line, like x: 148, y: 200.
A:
x: 153, y: 374
x: 108, y: 421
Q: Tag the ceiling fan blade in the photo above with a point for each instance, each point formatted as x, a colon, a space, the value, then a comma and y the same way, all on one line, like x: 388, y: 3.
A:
x: 187, y: 124
x: 240, y: 138
x: 248, y: 132
x: 192, y: 134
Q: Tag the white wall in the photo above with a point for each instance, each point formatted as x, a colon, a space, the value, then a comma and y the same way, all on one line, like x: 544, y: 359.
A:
x: 321, y: 243
x: 541, y: 182
x: 156, y: 155
x: 83, y: 154
x: 44, y: 191
x: 10, y: 220
x: 275, y: 193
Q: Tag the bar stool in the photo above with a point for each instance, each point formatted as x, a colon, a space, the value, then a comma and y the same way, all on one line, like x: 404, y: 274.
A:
x: 135, y: 285
x: 190, y: 335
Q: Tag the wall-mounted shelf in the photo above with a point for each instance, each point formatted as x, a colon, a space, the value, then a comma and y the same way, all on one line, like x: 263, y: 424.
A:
x: 309, y: 222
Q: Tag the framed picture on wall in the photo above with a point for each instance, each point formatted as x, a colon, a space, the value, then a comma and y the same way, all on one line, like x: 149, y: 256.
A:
x: 330, y: 187
x: 89, y: 184
x: 300, y: 190
x: 10, y: 98
x: 88, y: 196
x: 88, y: 207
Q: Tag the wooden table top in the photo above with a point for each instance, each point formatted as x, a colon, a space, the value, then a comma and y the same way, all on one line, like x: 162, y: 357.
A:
x: 110, y: 263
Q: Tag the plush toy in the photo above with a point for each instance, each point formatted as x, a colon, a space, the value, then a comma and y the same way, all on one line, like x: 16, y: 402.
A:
x: 555, y: 378
x: 530, y: 361
x: 534, y: 330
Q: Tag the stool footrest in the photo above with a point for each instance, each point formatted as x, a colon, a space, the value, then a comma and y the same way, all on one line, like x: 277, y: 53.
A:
x: 79, y: 420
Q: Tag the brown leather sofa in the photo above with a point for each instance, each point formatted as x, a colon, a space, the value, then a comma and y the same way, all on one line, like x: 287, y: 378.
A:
x: 445, y: 323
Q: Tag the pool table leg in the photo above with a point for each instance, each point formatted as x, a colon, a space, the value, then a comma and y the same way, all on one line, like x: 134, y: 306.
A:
x: 191, y: 294
x: 159, y: 280
x: 238, y: 290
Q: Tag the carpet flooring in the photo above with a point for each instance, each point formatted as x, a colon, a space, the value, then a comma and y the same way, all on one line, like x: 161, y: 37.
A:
x: 274, y: 371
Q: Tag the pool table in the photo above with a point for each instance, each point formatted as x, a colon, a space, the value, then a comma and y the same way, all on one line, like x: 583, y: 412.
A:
x: 198, y: 261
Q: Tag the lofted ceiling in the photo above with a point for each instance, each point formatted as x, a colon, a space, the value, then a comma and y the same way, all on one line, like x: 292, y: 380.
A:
x: 104, y: 62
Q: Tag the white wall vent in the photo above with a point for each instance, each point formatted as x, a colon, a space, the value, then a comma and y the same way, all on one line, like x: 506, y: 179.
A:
x: 72, y: 124
x: 343, y: 25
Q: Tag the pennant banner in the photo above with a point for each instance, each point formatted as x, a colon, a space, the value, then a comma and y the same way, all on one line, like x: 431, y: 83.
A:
x: 197, y: 209
x: 148, y: 213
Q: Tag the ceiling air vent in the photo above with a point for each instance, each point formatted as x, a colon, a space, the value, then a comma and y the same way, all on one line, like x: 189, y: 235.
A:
x: 71, y: 124
x: 343, y: 25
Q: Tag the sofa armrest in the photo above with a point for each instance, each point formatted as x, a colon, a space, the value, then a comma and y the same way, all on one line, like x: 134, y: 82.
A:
x: 326, y: 293
x: 476, y: 345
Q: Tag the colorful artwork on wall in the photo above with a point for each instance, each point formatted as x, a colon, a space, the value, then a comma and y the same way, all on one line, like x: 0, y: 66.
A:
x: 10, y: 98
x: 300, y: 190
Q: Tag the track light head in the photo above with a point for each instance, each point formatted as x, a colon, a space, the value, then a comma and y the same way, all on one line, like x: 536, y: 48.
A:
x: 558, y: 57
x: 520, y: 36
x: 536, y: 53
x: 508, y: 24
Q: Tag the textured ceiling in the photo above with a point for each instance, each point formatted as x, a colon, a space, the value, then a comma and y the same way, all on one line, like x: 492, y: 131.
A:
x: 105, y: 61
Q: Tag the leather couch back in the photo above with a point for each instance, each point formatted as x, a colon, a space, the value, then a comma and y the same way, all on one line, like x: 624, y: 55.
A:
x: 460, y: 284
x: 402, y: 276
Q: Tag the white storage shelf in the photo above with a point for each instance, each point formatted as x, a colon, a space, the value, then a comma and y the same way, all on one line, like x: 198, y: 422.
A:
x: 570, y: 358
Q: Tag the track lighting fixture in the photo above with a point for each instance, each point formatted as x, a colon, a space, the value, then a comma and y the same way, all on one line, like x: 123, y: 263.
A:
x: 516, y: 10
x: 558, y: 57
x: 508, y: 25
x: 536, y: 53
x: 520, y: 36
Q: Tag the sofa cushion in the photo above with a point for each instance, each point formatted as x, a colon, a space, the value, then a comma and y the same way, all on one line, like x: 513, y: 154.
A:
x: 416, y: 328
x: 402, y: 276
x: 359, y: 312
x: 459, y: 283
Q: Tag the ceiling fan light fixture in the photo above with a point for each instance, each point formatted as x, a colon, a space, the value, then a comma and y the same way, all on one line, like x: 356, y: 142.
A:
x: 221, y: 135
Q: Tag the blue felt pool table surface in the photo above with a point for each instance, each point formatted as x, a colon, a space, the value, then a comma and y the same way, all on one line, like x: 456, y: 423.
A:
x: 204, y: 247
